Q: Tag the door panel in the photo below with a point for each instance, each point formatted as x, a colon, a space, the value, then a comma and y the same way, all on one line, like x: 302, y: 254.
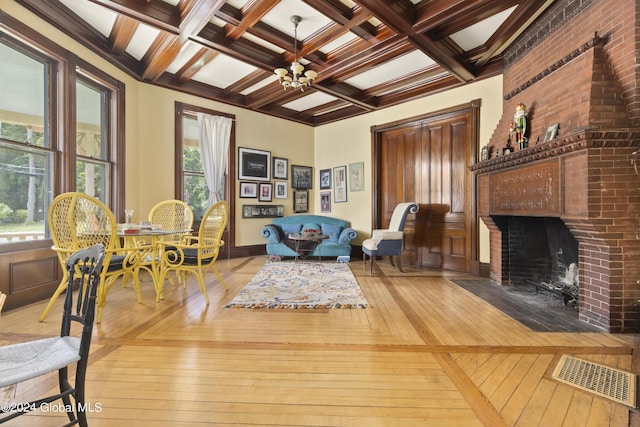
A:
x: 427, y: 162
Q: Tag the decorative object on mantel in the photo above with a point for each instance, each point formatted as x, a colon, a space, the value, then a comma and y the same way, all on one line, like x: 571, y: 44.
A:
x: 298, y: 80
x: 519, y: 127
x: 484, y: 153
x: 552, y: 132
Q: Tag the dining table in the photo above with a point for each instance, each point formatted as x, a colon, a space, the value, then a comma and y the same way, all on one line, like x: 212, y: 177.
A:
x: 152, y: 243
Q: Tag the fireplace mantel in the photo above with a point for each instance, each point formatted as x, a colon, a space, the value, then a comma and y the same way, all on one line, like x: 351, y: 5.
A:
x: 576, y: 141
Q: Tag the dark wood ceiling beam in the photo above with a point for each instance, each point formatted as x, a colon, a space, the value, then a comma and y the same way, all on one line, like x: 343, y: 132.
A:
x: 249, y: 80
x: 401, y: 20
x: 440, y: 19
x: 65, y: 20
x: 157, y: 14
x: 354, y: 20
x: 275, y: 94
x: 337, y: 115
x: 252, y: 13
x: 122, y: 33
x: 417, y: 92
x: 512, y: 28
x: 195, y: 15
x: 195, y: 64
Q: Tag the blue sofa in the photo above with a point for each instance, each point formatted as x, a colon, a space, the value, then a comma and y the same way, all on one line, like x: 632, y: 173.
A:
x: 339, y: 242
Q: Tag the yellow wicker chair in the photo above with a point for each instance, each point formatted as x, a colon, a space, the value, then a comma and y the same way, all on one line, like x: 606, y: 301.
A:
x: 77, y: 221
x: 172, y: 215
x: 201, y: 253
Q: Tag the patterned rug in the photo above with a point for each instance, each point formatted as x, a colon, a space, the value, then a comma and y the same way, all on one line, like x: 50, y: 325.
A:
x: 301, y: 285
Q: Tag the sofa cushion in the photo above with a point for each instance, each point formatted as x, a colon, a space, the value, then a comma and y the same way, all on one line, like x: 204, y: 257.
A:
x: 291, y: 228
x: 333, y: 231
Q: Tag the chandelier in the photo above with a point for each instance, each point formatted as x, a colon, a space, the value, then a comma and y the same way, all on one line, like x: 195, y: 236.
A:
x: 298, y: 80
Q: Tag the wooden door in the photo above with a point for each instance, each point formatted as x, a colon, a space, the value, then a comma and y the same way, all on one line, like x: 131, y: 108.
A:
x: 427, y: 162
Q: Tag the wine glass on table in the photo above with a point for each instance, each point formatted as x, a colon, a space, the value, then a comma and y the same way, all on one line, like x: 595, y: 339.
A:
x: 128, y: 213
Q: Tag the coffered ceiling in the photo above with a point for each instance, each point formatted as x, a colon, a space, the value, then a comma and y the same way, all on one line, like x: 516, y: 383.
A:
x: 369, y: 54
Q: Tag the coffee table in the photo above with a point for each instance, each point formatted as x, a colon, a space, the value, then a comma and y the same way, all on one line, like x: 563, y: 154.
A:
x: 298, y: 238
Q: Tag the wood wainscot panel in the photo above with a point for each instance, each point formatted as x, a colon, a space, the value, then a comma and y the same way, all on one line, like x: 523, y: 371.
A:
x: 531, y: 190
x: 29, y: 276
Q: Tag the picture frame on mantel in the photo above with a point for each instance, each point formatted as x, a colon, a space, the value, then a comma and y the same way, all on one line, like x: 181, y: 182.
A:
x: 551, y: 133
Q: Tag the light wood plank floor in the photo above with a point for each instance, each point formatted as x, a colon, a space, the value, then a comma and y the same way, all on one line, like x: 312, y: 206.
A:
x: 425, y: 353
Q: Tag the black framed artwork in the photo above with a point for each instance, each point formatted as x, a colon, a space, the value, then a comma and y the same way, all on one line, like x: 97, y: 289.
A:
x: 262, y: 211
x: 301, y: 177
x: 264, y: 195
x: 325, y: 179
x: 254, y: 164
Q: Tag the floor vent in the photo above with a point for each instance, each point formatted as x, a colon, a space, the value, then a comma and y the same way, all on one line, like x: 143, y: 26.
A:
x: 614, y: 384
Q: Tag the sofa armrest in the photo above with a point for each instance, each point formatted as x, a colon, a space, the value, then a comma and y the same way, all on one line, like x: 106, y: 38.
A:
x: 347, y: 235
x: 271, y: 233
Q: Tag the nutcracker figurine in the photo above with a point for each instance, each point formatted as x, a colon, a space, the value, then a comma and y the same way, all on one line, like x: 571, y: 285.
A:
x: 519, y: 126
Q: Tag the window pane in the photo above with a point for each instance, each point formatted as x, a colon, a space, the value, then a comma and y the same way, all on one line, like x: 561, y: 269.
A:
x: 93, y: 179
x: 24, y: 177
x: 23, y: 86
x: 196, y: 194
x: 191, y: 161
x: 90, y: 115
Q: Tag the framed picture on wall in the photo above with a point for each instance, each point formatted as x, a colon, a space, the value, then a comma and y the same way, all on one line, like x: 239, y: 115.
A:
x: 340, y: 184
x: 265, y: 192
x: 325, y: 179
x: 280, y: 168
x: 325, y: 201
x: 301, y: 201
x: 356, y: 176
x: 301, y: 177
x: 254, y: 164
x: 248, y: 190
x: 280, y: 190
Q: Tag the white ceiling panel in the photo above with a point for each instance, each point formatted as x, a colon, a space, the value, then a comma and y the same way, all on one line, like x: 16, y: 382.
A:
x: 390, y: 70
x: 98, y: 17
x: 223, y: 71
x: 310, y: 101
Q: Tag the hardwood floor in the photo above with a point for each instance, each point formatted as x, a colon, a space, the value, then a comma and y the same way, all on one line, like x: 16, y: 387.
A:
x: 425, y: 353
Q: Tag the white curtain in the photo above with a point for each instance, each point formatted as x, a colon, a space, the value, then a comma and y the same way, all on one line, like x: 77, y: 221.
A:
x: 214, y: 132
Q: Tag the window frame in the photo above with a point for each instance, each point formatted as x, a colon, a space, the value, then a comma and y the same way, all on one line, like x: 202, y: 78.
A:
x: 63, y: 71
x: 230, y: 182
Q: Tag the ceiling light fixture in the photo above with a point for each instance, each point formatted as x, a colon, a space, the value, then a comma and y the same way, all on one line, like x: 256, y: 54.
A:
x: 298, y: 80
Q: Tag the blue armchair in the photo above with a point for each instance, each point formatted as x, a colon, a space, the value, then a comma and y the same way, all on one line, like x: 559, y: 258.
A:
x: 339, y: 231
x: 389, y: 241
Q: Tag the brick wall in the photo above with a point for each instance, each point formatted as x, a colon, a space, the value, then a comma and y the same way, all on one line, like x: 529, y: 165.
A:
x: 565, y: 75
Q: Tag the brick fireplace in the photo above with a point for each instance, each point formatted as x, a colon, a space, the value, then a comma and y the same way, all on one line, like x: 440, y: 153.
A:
x: 572, y: 69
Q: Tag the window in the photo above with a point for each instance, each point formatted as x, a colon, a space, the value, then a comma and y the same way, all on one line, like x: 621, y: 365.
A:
x: 26, y: 155
x: 191, y: 186
x: 42, y: 152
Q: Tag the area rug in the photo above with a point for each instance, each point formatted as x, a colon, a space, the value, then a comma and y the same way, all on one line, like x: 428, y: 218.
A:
x: 300, y: 285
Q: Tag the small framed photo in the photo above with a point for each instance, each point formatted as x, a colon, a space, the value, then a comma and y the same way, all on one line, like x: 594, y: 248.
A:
x: 280, y: 190
x: 551, y: 133
x: 301, y: 201
x: 325, y: 179
x: 340, y: 184
x: 265, y: 192
x: 254, y: 164
x: 301, y: 177
x: 325, y: 201
x: 356, y: 176
x: 280, y: 168
x: 262, y: 211
x: 248, y: 190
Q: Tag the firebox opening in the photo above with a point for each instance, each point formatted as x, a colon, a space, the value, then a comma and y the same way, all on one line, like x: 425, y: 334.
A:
x: 542, y: 254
